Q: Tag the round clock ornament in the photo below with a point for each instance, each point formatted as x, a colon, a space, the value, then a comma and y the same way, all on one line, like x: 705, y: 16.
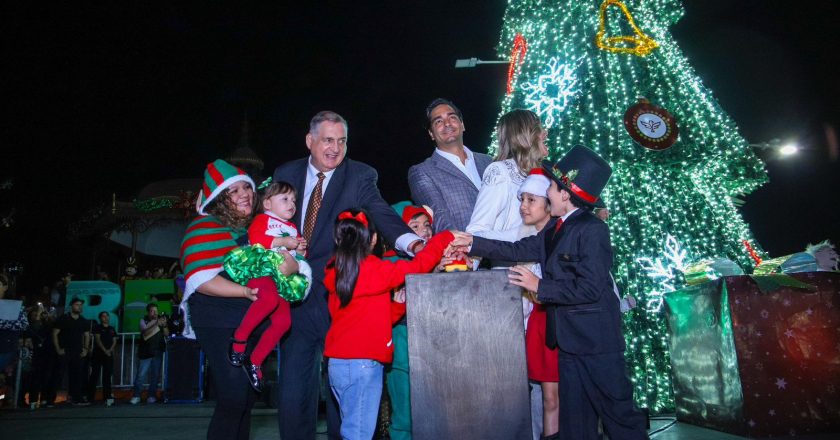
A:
x: 651, y: 126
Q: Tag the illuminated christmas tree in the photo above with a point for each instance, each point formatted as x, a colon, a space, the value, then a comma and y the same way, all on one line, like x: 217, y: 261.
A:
x: 580, y: 65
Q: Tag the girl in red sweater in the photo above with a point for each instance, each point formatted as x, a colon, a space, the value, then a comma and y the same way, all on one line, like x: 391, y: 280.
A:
x: 359, y: 339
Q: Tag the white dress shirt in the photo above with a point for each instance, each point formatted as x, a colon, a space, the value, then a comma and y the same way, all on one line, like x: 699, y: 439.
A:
x: 468, y: 167
x: 564, y: 217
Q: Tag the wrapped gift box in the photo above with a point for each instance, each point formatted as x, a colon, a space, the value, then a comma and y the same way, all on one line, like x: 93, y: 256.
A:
x: 757, y: 364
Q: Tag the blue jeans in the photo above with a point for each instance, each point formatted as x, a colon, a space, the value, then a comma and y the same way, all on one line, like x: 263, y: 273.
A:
x: 357, y: 385
x: 148, y: 367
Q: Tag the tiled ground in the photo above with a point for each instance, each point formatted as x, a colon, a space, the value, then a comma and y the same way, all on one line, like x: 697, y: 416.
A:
x: 189, y: 421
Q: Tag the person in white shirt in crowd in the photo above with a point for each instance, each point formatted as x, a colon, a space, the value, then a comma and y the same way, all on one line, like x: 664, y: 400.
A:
x: 11, y: 332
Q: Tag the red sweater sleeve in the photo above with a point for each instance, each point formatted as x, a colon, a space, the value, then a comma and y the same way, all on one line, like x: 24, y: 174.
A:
x: 257, y: 231
x: 391, y: 275
x: 397, y: 311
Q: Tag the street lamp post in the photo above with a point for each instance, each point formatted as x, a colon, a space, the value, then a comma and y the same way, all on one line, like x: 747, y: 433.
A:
x: 783, y: 149
x: 472, y: 62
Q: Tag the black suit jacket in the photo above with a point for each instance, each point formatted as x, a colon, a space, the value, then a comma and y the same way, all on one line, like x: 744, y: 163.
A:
x: 576, y: 286
x: 352, y: 185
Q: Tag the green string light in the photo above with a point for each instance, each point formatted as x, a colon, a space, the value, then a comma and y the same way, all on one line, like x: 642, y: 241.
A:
x: 685, y: 191
x: 148, y: 205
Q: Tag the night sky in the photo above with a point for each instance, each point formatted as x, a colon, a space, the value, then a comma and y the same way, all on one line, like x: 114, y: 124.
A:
x: 104, y: 99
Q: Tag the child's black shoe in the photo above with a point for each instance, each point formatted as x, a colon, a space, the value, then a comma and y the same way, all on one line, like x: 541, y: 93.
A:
x: 254, y: 374
x: 236, y: 358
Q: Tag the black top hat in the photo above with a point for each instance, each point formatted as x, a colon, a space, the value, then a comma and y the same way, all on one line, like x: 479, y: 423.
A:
x: 581, y: 172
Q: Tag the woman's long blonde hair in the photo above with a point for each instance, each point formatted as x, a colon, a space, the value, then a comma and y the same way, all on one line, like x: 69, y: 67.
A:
x: 519, y: 135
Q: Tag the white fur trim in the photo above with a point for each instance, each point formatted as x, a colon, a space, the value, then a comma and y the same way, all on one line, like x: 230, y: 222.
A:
x: 535, y: 184
x: 185, y: 312
x: 194, y: 282
x: 223, y: 186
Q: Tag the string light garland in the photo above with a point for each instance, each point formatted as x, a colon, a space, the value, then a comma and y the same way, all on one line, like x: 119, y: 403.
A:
x: 517, y: 57
x: 184, y: 200
x: 752, y: 252
x: 686, y: 191
x: 641, y: 44
x: 149, y: 205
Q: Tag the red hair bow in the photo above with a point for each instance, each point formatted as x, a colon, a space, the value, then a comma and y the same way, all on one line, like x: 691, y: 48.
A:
x: 360, y: 217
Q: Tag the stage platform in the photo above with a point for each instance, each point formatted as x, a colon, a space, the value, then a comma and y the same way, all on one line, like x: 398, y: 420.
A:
x: 189, y: 421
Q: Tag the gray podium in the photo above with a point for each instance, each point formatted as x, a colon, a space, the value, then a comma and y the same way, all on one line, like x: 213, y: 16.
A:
x: 466, y: 350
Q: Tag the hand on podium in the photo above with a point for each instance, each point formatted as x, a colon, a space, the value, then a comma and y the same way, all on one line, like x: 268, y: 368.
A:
x: 443, y: 262
x: 456, y: 253
x: 523, y: 277
x: 462, y: 240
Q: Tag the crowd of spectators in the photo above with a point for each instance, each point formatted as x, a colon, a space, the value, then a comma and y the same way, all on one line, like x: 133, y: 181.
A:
x: 53, y: 346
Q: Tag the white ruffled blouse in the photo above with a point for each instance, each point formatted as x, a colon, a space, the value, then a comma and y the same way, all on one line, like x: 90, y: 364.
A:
x: 496, y: 213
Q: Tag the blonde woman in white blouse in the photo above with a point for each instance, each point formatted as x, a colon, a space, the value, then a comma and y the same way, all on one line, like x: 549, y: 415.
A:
x: 496, y: 213
x: 521, y: 148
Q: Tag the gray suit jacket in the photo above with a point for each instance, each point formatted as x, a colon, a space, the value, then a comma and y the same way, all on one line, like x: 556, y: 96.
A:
x: 448, y: 191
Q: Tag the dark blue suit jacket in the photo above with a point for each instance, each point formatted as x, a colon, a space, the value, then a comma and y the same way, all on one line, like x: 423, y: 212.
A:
x: 352, y: 185
x: 576, y: 284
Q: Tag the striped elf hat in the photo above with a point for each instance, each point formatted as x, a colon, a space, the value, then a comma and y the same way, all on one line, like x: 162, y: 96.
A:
x: 219, y: 176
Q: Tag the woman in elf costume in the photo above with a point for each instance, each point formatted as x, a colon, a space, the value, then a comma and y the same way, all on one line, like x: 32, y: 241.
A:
x: 256, y: 267
x: 214, y: 305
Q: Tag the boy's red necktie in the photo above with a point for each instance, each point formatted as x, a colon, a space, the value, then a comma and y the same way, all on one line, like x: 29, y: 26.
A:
x: 558, y: 225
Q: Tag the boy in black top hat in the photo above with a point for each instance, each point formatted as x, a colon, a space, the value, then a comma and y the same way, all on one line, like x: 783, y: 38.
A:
x: 583, y: 318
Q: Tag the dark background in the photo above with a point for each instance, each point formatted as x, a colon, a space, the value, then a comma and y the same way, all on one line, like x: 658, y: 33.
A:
x: 105, y: 98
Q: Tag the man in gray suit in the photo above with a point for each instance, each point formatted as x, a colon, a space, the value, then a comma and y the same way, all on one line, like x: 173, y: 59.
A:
x: 448, y: 181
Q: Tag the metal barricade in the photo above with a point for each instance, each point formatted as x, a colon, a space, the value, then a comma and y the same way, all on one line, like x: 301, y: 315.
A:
x: 125, y: 361
x: 125, y: 364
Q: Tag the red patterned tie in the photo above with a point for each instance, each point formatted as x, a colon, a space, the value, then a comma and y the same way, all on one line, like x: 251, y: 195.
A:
x: 558, y: 225
x: 312, y: 210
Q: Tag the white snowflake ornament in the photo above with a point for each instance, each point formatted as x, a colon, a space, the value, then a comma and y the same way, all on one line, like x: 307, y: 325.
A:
x: 551, y: 93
